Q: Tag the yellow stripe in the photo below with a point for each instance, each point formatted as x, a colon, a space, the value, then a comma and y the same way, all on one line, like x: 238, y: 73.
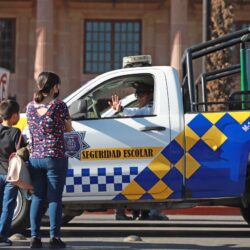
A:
x: 94, y: 154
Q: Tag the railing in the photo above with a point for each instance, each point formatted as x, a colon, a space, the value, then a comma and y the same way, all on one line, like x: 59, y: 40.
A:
x: 190, y: 92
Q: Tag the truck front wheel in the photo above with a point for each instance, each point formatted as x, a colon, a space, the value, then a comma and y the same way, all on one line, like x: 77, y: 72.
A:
x: 20, y: 219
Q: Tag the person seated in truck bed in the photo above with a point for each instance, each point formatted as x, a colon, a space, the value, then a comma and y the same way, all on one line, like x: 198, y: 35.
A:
x: 144, y: 94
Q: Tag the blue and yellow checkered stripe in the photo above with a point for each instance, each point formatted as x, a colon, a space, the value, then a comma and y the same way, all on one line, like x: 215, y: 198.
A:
x: 214, y: 146
x: 217, y: 148
x: 98, y: 180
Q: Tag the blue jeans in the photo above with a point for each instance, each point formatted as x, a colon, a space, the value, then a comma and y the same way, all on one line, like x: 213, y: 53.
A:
x: 48, y: 178
x: 8, y: 195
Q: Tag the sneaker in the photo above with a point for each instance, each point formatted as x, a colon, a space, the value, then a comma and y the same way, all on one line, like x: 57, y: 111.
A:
x: 122, y: 217
x: 35, y: 242
x: 56, y: 243
x: 5, y: 241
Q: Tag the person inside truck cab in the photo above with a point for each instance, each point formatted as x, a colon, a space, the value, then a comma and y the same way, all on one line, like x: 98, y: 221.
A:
x: 144, y: 94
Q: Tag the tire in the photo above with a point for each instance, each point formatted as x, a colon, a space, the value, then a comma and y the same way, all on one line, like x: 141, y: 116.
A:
x: 20, y: 220
x: 245, y: 212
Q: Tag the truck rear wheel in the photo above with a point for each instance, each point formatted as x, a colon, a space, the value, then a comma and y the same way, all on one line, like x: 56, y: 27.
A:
x: 245, y: 212
x: 245, y: 208
x: 20, y: 220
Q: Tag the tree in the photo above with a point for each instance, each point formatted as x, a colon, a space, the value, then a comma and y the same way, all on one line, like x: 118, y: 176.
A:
x: 222, y: 19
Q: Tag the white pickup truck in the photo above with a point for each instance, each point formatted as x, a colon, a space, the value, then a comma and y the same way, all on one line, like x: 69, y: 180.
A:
x: 167, y: 159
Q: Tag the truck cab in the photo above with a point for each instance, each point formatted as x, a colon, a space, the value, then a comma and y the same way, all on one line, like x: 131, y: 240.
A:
x: 117, y: 159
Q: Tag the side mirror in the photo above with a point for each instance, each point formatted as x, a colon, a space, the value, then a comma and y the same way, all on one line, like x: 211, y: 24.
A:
x: 78, y: 110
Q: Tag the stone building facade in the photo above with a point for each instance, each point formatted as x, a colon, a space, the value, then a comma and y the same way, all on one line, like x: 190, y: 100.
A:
x: 80, y: 39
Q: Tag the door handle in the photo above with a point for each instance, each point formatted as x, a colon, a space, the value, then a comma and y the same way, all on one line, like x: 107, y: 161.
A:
x: 158, y: 128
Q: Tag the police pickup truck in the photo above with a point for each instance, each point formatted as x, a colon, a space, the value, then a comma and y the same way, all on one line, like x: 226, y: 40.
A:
x: 181, y: 155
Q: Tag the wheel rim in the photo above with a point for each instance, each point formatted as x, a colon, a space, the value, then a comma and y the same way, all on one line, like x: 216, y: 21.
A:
x: 19, y: 204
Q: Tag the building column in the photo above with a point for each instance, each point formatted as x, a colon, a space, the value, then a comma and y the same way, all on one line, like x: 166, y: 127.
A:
x: 75, y: 58
x: 63, y: 51
x: 22, y: 62
x: 44, y: 36
x: 178, y: 25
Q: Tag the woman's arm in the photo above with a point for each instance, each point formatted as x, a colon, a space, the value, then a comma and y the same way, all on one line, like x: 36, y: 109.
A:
x: 65, y: 117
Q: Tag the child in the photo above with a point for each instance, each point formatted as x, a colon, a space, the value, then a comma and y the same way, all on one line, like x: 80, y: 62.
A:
x: 9, y: 137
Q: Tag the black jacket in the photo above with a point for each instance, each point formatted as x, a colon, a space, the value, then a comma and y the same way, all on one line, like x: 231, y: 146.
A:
x: 9, y: 137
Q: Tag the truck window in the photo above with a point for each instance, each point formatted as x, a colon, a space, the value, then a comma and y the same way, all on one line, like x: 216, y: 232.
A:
x: 124, y: 87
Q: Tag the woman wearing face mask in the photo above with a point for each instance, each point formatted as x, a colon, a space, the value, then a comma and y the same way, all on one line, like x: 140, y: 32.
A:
x: 48, y: 119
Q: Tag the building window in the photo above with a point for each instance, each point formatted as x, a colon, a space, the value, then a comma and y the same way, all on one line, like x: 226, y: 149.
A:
x: 7, y: 43
x: 107, y: 42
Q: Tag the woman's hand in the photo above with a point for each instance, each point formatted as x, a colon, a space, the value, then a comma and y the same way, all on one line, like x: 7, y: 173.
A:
x: 68, y: 125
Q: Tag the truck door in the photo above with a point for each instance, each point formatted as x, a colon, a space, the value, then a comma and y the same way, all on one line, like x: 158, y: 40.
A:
x: 119, y: 157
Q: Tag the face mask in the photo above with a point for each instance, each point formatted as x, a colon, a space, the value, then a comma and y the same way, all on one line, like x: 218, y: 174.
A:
x: 56, y: 95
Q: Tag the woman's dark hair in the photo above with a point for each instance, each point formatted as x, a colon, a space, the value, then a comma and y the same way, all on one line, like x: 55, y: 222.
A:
x: 45, y: 82
x: 8, y: 108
